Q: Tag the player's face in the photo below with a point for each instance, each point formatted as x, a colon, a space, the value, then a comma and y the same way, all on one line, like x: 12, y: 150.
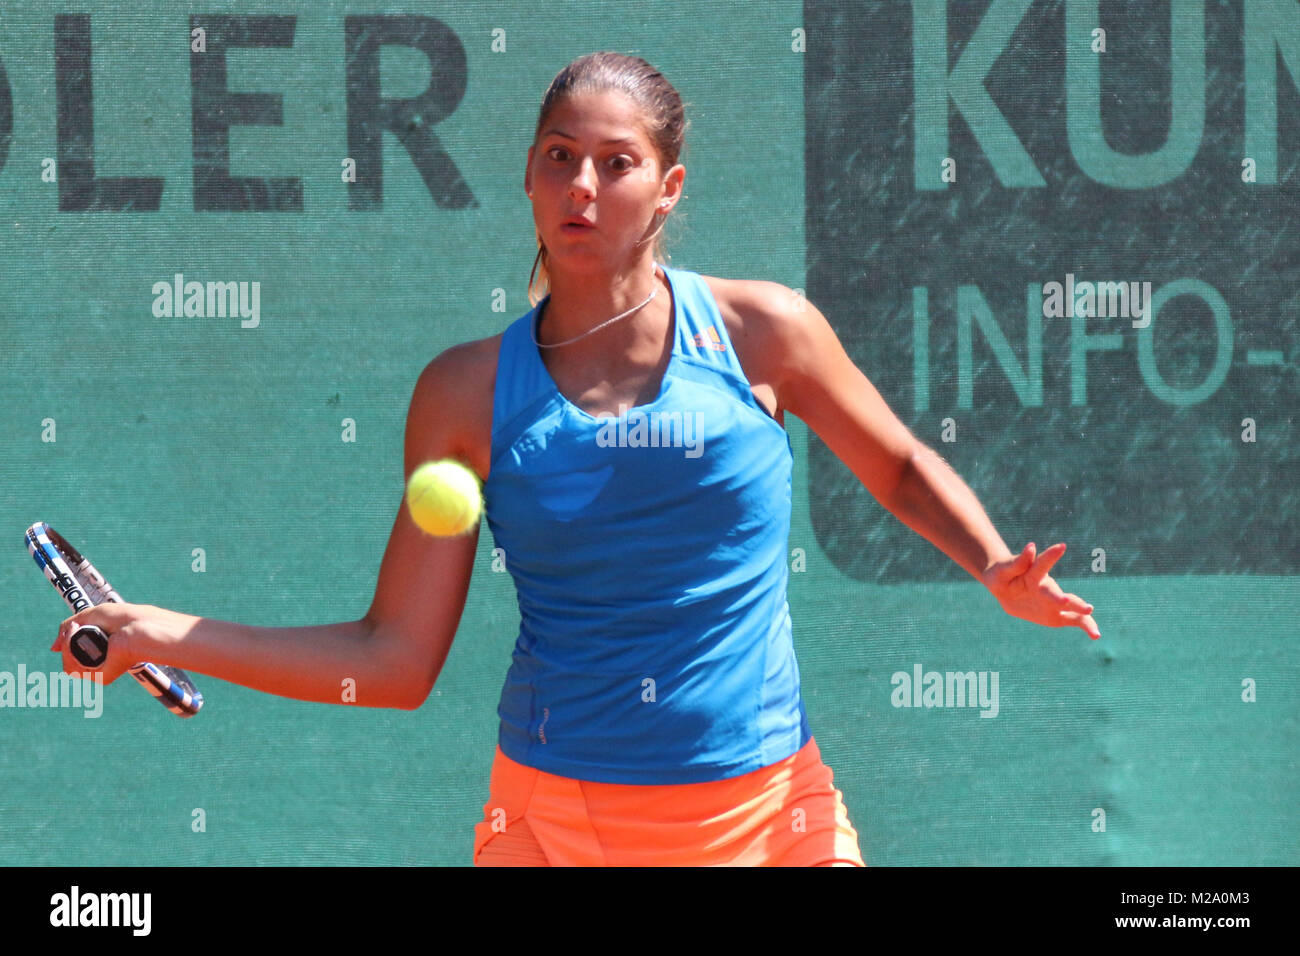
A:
x: 594, y: 160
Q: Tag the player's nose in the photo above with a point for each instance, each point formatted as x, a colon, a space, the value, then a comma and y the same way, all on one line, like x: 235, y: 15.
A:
x: 583, y: 184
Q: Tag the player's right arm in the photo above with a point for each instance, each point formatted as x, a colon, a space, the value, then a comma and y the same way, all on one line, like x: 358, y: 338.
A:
x: 424, y: 580
x: 390, y: 657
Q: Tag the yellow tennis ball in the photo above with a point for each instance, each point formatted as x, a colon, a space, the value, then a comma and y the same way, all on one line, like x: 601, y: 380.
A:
x: 444, y: 498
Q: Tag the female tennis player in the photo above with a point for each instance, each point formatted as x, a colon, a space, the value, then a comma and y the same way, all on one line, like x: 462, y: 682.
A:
x: 629, y: 430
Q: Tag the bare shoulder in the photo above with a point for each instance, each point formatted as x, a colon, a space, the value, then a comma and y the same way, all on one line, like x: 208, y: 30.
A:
x: 756, y: 302
x: 456, y: 388
x: 470, y: 359
x: 765, y: 321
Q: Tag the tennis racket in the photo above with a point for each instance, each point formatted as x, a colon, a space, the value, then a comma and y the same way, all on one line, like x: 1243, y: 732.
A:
x: 81, y: 586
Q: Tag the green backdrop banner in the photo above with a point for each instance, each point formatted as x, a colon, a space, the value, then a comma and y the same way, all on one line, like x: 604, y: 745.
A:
x: 347, y: 180
x: 1063, y: 240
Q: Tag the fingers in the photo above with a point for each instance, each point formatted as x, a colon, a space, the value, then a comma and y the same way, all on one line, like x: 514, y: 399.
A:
x: 107, y: 617
x: 1023, y: 562
x: 1085, y: 621
x: 1072, y: 602
x: 1074, y: 610
x: 73, y: 666
x: 1045, y: 562
x: 118, y: 658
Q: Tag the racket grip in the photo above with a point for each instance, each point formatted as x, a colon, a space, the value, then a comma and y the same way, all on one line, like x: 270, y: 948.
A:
x: 89, y: 645
x: 172, y: 688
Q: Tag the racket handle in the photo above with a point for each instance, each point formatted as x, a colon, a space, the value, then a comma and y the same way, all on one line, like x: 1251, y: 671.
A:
x: 172, y: 688
x: 89, y: 645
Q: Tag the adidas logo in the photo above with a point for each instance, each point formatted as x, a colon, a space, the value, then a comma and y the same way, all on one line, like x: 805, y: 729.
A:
x: 713, y: 341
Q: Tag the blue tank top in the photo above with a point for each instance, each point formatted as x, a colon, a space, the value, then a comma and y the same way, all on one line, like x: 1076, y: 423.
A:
x: 649, y: 555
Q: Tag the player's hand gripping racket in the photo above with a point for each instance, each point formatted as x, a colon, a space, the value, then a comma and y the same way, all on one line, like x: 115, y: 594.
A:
x: 81, y: 586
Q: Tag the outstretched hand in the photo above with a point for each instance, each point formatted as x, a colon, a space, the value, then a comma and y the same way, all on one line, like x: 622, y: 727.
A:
x: 1025, y: 589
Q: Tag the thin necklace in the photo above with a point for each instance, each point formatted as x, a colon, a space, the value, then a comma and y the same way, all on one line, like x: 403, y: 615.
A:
x: 532, y: 328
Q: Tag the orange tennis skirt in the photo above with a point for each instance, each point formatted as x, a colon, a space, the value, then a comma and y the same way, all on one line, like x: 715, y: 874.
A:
x: 786, y: 814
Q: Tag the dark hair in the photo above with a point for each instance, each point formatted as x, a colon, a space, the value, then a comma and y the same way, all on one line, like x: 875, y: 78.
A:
x: 663, y: 117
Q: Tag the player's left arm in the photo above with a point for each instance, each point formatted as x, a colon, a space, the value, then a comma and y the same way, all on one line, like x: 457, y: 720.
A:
x: 802, y: 358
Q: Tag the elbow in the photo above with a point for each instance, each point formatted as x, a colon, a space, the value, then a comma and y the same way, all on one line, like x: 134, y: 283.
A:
x: 414, y: 698
x: 416, y: 679
x: 409, y: 690
x: 405, y: 676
